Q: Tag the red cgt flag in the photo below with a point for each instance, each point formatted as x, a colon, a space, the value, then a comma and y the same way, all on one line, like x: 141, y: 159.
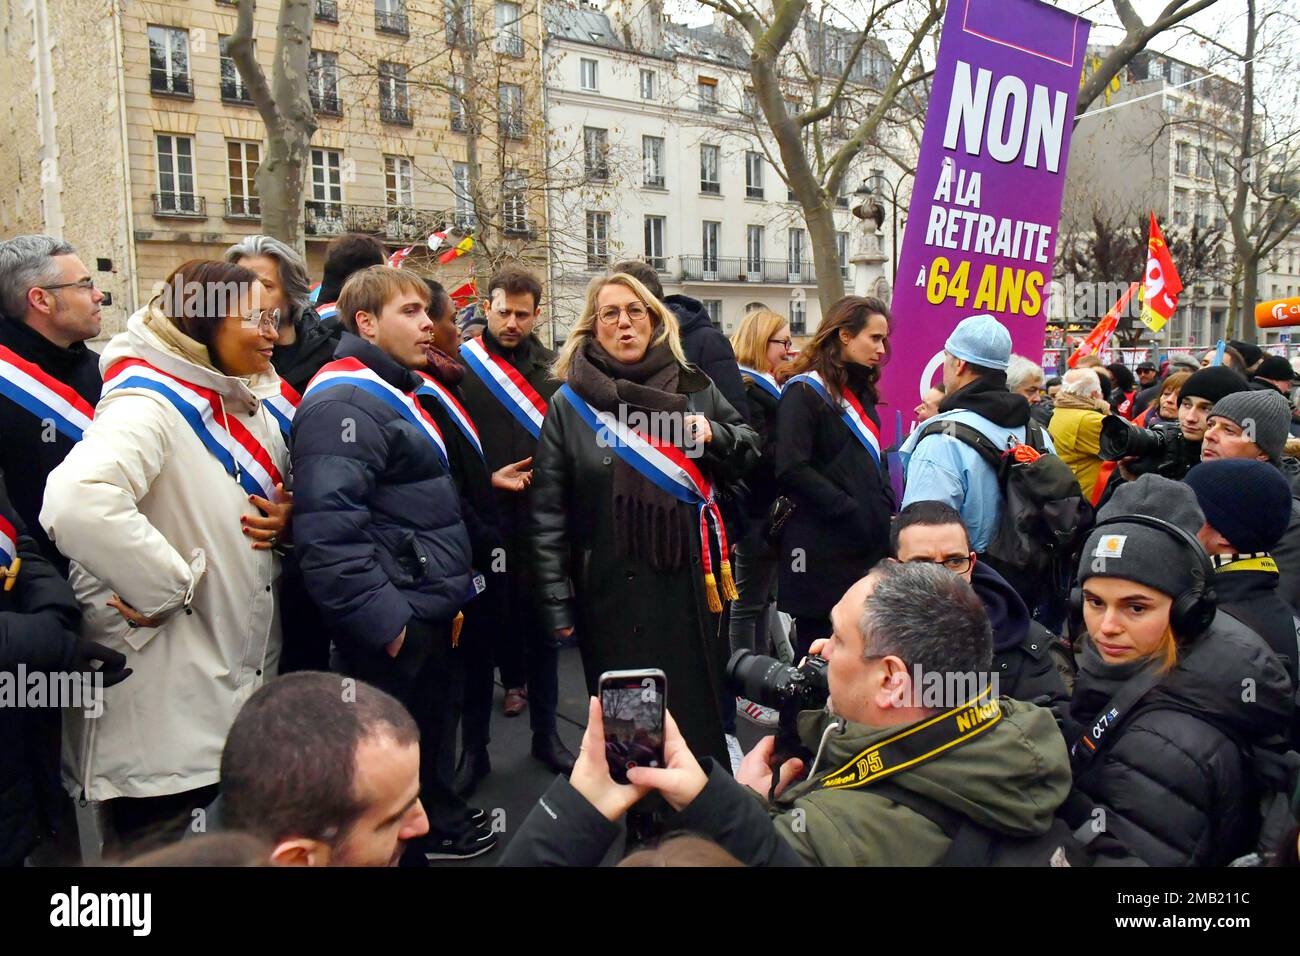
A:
x: 1103, y: 330
x: 1160, y: 285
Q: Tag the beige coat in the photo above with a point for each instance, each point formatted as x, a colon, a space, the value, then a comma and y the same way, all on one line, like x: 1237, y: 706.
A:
x: 145, y: 511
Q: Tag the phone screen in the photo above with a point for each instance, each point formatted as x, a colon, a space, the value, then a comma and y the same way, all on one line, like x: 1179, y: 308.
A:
x: 633, y: 713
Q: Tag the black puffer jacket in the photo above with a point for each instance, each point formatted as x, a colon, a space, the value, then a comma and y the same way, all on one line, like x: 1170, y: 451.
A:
x: 26, y: 457
x: 708, y: 348
x: 1287, y: 551
x: 1022, y: 648
x: 38, y: 629
x: 1175, y: 783
x: 314, y: 346
x: 843, y: 502
x: 377, y: 522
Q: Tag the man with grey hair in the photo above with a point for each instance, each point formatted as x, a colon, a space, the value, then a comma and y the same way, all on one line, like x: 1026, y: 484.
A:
x: 913, y: 733
x: 49, y: 379
x: 306, y: 341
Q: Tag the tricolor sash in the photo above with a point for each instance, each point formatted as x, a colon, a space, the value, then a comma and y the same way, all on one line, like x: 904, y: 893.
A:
x: 504, y: 381
x: 764, y: 380
x: 236, y: 448
x: 442, y: 394
x: 667, y: 467
x: 283, y: 406
x: 851, y: 412
x: 354, y: 372
x: 27, y: 384
x: 9, y: 560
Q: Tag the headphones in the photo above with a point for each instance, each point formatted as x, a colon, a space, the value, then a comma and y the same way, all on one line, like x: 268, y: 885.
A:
x: 1193, y: 611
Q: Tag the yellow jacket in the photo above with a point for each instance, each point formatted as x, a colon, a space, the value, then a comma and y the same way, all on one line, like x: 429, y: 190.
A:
x: 1076, y: 432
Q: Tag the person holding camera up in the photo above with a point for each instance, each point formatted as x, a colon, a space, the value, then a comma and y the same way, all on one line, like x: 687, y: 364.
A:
x: 1167, y: 771
x: 833, y: 514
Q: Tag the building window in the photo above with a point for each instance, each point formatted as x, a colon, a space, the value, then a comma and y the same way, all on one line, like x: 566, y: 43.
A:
x: 397, y: 182
x: 798, y: 317
x: 749, y: 103
x: 1183, y: 158
x: 242, y: 158
x: 588, y: 74
x: 463, y: 189
x: 510, y: 110
x: 842, y: 248
x: 652, y: 154
x: 754, y: 253
x: 709, y: 181
x: 708, y: 94
x: 233, y: 89
x: 753, y: 175
x: 327, y: 11
x: 169, y: 61
x: 794, y: 255
x: 709, y: 244
x: 390, y: 17
x: 394, y: 101
x: 459, y: 116
x: 514, y: 203
x: 323, y: 81
x: 458, y: 22
x: 647, y: 84
x: 509, y: 39
x: 176, y: 175
x: 325, y: 208
x: 595, y: 151
x: 713, y: 308
x: 1180, y: 207
x: 654, y: 243
x: 597, y: 240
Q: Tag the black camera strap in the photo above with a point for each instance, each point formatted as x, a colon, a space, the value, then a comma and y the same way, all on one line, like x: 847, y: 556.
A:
x: 1086, y: 748
x: 917, y: 744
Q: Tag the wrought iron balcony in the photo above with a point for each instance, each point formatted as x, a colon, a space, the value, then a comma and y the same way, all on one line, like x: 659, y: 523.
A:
x: 243, y: 207
x: 170, y: 84
x: 395, y: 223
x: 744, y: 269
x: 326, y: 103
x: 392, y: 22
x: 327, y: 11
x: 177, y: 205
x: 397, y: 115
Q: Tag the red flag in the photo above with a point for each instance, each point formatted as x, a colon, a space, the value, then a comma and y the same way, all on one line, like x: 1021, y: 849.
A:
x: 398, y: 257
x: 1101, y: 333
x: 458, y: 250
x: 1160, y: 285
x: 466, y: 293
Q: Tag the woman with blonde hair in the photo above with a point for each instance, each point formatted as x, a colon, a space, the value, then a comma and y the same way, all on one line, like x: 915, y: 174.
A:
x: 1160, y: 732
x: 629, y: 547
x: 763, y: 344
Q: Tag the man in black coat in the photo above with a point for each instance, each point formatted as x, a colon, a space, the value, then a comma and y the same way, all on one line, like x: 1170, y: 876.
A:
x: 39, y: 618
x: 378, y: 529
x: 49, y: 307
x: 703, y: 344
x: 1027, y: 657
x: 525, y: 649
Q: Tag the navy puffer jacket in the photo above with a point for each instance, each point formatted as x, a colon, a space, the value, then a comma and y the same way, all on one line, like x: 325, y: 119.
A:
x: 377, y: 521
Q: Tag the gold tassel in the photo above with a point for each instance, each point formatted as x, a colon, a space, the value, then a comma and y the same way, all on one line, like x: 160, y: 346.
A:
x: 11, y: 573
x: 711, y: 590
x: 456, y: 623
x: 729, y: 591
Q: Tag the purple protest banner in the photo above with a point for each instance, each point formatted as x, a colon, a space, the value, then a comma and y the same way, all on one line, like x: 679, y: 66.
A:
x: 986, y: 201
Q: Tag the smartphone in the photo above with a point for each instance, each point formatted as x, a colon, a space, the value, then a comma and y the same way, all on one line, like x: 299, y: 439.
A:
x: 632, y: 704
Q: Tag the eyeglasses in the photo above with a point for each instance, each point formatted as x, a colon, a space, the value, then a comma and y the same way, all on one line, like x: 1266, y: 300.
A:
x: 635, y: 313
x: 786, y: 344
x: 264, y: 320
x: 84, y: 284
x: 957, y: 563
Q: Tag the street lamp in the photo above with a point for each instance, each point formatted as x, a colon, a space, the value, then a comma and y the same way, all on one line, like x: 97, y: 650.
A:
x: 875, y: 186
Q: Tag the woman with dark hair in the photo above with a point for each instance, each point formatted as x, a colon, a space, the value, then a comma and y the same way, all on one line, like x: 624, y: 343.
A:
x: 169, y: 508
x: 830, y: 465
x: 1123, y: 389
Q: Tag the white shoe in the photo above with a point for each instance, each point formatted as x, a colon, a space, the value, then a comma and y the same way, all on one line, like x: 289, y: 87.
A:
x: 735, y: 753
x: 756, y: 714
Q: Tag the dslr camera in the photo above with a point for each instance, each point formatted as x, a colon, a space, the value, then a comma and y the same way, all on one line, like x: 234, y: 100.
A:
x: 1159, y: 450
x: 786, y: 689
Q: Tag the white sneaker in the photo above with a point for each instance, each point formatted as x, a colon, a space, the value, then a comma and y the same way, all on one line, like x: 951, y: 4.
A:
x: 756, y: 713
x: 735, y: 753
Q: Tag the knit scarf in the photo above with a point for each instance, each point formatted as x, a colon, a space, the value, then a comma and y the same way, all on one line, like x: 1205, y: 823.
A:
x: 1066, y: 400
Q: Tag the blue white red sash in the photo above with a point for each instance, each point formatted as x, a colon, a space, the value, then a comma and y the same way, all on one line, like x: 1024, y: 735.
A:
x: 442, y: 394
x: 27, y: 384
x: 330, y: 310
x: 354, y: 372
x: 667, y: 467
x: 763, y: 380
x: 236, y: 448
x: 8, y: 542
x: 283, y: 406
x: 851, y: 412
x: 504, y: 381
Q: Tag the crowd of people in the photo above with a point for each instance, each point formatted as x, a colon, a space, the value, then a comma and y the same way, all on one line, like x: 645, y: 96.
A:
x: 290, y: 545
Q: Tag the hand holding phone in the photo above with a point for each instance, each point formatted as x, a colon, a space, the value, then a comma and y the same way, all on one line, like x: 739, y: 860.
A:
x: 632, y: 710
x: 590, y: 776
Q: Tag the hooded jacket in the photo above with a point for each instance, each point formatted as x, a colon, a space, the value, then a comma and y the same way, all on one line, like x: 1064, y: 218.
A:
x: 1022, y: 648
x: 313, y: 347
x: 944, y: 468
x: 1076, y: 433
x: 1175, y: 782
x: 708, y: 348
x: 145, y: 511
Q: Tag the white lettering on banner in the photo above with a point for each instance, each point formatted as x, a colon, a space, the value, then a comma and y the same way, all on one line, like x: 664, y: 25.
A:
x: 1011, y: 133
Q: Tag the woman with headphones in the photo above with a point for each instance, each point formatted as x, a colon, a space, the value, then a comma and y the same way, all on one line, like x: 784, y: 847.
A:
x: 1170, y: 695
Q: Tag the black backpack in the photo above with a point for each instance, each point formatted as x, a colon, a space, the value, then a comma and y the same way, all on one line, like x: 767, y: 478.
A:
x: 1045, y: 515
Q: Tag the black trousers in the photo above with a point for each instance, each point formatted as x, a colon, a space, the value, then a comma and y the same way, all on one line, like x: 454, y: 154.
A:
x: 427, y: 676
